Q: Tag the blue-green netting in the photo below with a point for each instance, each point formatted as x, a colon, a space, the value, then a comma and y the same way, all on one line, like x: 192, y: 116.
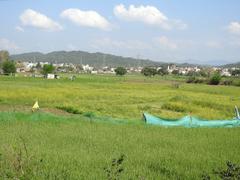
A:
x: 190, y: 121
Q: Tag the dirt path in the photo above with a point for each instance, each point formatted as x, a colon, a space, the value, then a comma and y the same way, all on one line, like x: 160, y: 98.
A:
x: 17, y: 108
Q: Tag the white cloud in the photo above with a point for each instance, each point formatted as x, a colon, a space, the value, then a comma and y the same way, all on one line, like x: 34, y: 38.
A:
x: 234, y: 28
x: 19, y: 28
x: 147, y: 14
x: 6, y: 44
x: 86, y: 18
x: 164, y: 42
x: 35, y: 19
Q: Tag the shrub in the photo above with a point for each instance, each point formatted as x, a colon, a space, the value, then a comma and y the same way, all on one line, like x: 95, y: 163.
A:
x: 215, y: 79
x: 236, y: 83
x: 191, y: 79
x: 148, y: 71
x: 162, y: 71
x: 227, y: 82
x: 199, y: 80
x: 175, y: 72
x: 120, y: 71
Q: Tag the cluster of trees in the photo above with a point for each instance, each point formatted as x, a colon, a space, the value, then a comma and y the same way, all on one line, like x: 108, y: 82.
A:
x: 150, y: 71
x: 206, y: 76
x: 147, y: 71
x: 214, y: 79
x: 6, y: 65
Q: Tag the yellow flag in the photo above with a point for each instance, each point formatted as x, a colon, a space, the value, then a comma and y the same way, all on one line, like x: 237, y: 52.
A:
x: 35, y: 106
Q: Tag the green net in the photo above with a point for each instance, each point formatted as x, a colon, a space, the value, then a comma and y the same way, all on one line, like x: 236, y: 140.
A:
x: 190, y: 121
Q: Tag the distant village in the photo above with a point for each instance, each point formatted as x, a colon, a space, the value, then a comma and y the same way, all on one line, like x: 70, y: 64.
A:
x: 34, y: 68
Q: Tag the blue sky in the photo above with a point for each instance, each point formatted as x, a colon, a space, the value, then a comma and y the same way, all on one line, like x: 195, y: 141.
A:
x: 200, y: 31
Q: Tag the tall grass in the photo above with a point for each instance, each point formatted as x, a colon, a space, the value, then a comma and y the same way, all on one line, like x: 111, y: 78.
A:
x: 76, y: 148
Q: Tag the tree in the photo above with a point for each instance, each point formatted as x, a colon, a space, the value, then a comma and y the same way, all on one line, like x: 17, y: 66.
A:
x: 175, y: 72
x: 8, y: 67
x: 38, y: 66
x: 203, y: 73
x: 193, y: 73
x: 4, y: 56
x: 120, y: 71
x: 162, y: 71
x: 235, y: 72
x: 47, y: 68
x: 215, y: 79
x: 148, y: 71
x: 79, y: 67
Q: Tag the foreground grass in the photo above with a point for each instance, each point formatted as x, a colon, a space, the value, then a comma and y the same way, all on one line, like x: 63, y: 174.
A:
x: 74, y: 147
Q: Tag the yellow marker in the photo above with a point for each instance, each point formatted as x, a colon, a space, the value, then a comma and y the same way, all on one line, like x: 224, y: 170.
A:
x: 35, y: 107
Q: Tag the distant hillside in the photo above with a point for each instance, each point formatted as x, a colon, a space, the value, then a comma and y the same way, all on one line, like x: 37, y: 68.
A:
x: 81, y: 57
x: 232, y: 65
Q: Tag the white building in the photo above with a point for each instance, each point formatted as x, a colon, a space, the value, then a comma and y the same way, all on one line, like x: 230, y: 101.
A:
x: 50, y: 76
x: 87, y: 67
x: 225, y: 72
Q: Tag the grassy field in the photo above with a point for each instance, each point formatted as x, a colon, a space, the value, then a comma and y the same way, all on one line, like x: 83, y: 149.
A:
x: 122, y: 97
x: 61, y: 145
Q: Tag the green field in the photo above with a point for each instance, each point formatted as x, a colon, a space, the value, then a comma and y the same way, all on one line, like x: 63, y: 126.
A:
x: 80, y: 146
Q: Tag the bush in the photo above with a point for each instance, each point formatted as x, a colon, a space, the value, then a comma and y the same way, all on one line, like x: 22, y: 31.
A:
x: 199, y: 80
x: 236, y: 83
x: 148, y: 71
x: 162, y: 71
x: 191, y: 79
x: 215, y: 79
x: 175, y: 72
x: 120, y: 71
x: 227, y: 82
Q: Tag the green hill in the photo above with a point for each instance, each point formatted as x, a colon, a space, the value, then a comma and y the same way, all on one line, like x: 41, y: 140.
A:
x: 81, y: 57
x: 232, y: 65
